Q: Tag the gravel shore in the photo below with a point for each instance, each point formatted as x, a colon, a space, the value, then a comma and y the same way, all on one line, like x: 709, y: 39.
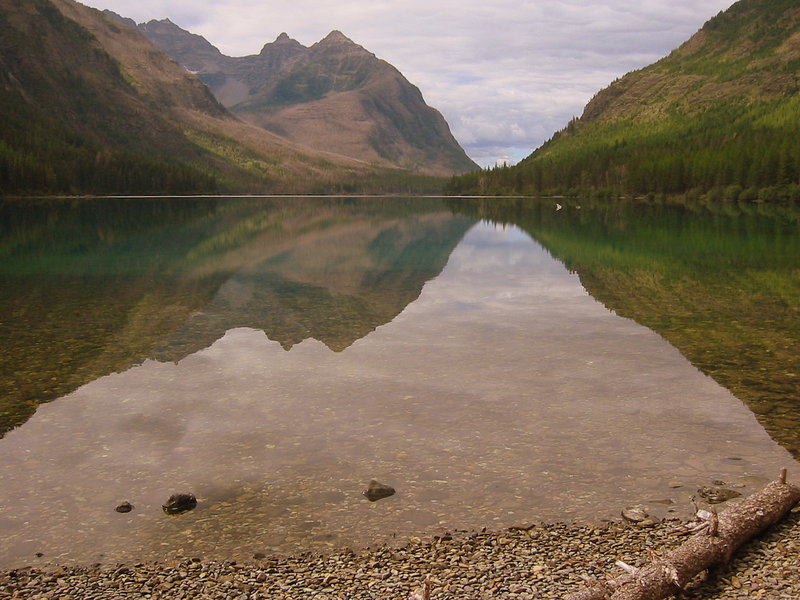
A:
x: 547, y: 561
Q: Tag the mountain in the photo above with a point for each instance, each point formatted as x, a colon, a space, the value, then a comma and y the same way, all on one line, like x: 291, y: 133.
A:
x: 91, y: 106
x: 334, y: 96
x: 719, y: 117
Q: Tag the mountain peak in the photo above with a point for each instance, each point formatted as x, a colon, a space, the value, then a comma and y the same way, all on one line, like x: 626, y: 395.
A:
x: 161, y: 25
x: 322, y: 96
x: 337, y: 37
x: 336, y: 34
x: 339, y: 43
x: 282, y: 46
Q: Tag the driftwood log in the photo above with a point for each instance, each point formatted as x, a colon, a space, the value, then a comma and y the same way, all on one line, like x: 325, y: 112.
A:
x: 713, y: 546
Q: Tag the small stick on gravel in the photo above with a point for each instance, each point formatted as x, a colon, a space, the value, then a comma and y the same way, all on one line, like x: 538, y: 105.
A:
x: 724, y: 535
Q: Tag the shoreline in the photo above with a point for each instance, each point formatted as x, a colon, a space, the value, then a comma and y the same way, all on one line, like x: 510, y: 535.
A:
x: 547, y: 561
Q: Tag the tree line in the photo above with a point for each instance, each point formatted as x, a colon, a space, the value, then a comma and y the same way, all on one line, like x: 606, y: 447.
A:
x: 737, y: 151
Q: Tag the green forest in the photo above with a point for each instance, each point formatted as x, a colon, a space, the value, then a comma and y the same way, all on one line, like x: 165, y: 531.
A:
x: 719, y: 118
x: 736, y: 152
x: 40, y: 156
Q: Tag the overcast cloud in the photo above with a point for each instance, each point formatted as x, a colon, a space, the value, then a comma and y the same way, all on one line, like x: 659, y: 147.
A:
x: 505, y: 74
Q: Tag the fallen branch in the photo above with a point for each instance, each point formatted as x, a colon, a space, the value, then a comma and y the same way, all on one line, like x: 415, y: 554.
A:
x: 714, y: 546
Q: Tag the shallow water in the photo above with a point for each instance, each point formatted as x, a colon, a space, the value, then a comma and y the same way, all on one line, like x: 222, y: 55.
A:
x: 496, y: 392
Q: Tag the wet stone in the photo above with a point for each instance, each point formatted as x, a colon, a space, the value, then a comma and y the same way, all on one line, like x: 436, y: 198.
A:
x: 716, y: 494
x: 377, y: 491
x: 179, y: 503
x: 124, y: 507
x: 635, y: 514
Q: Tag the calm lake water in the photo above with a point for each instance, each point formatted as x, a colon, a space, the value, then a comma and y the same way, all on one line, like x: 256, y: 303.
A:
x: 272, y: 356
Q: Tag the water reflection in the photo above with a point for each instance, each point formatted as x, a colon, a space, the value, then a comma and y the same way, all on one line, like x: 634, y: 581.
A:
x: 721, y: 281
x: 503, y: 394
x: 92, y: 287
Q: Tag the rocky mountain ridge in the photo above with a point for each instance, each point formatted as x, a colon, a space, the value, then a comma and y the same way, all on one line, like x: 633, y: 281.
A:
x: 333, y: 95
x: 91, y: 106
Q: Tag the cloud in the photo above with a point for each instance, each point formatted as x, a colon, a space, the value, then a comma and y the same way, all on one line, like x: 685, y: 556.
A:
x: 505, y: 74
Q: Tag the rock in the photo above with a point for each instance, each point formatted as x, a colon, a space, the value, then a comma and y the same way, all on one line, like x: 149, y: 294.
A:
x: 124, y: 507
x: 377, y: 490
x: 179, y: 503
x: 522, y: 565
x: 649, y: 522
x: 717, y: 495
x: 635, y: 514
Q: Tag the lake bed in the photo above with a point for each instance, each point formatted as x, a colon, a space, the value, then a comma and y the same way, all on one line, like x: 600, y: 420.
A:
x: 489, y: 388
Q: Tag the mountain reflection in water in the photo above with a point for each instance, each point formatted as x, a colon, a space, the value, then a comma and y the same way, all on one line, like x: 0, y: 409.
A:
x: 501, y: 395
x: 92, y: 287
x: 720, y: 281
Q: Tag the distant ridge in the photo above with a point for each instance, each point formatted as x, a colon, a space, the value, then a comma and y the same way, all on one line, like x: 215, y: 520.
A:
x: 334, y: 95
x: 90, y: 106
x: 719, y: 118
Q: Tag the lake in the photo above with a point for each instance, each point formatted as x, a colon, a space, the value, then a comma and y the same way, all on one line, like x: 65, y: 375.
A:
x: 274, y: 355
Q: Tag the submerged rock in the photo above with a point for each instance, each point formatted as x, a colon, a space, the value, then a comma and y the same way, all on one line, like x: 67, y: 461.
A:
x: 179, y: 503
x: 377, y: 490
x: 717, y: 495
x: 124, y: 507
x: 635, y: 514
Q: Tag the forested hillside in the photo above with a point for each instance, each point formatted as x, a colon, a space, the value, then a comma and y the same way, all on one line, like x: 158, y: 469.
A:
x: 71, y: 122
x: 719, y: 118
x: 90, y: 106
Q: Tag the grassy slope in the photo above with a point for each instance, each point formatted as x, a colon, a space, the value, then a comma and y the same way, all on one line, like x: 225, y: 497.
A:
x: 720, y: 116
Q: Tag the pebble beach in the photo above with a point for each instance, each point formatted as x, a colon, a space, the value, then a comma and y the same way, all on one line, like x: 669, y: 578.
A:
x: 540, y: 562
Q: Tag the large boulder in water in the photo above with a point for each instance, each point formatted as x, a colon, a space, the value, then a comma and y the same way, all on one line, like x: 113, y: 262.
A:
x: 179, y: 503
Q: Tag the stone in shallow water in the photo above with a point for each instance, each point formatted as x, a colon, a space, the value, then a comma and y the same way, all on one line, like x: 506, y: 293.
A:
x: 377, y: 490
x: 635, y: 514
x: 179, y: 503
x: 124, y: 507
x: 717, y: 495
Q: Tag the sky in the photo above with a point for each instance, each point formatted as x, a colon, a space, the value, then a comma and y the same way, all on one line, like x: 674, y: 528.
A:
x: 506, y: 74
